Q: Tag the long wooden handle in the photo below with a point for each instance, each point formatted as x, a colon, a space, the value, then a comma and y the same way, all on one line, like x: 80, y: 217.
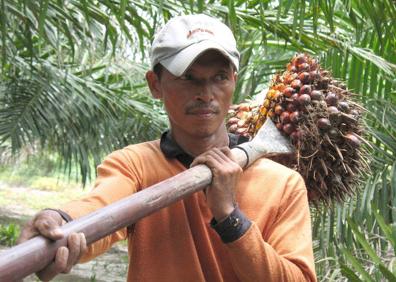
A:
x: 34, y: 254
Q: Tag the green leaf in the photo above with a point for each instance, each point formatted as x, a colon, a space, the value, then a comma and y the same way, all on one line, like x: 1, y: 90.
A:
x: 387, y: 273
x: 387, y: 229
x: 43, y: 15
x: 349, y: 273
x: 232, y: 17
x: 3, y: 21
x: 123, y: 5
x: 356, y: 264
x: 364, y: 242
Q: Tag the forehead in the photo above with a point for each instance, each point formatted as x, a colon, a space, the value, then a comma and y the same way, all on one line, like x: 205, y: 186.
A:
x: 210, y: 58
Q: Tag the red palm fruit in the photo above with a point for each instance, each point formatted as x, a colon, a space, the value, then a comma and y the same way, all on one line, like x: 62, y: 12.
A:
x: 352, y: 140
x: 289, y: 77
x: 314, y: 75
x: 305, y: 89
x: 293, y: 69
x: 241, y: 123
x: 303, y: 67
x: 244, y: 107
x: 279, y: 109
x: 291, y: 107
x: 316, y: 95
x: 233, y: 120
x: 296, y: 84
x: 324, y: 82
x: 304, y: 99
x: 294, y: 117
x: 294, y: 99
x: 332, y: 110
x: 279, y: 126
x: 304, y: 77
x: 241, y: 130
x: 331, y: 99
x: 288, y: 91
x: 323, y: 123
x: 296, y: 135
x: 343, y: 106
x: 288, y: 128
x: 300, y: 59
x: 285, y: 117
x: 233, y: 128
x: 313, y: 64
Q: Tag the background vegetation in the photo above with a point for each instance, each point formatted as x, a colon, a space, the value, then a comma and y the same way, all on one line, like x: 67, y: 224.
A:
x: 72, y: 83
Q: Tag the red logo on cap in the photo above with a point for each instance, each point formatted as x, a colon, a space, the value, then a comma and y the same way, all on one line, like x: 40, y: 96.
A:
x: 192, y: 32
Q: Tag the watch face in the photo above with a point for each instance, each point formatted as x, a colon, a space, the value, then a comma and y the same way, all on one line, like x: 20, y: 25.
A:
x: 235, y: 221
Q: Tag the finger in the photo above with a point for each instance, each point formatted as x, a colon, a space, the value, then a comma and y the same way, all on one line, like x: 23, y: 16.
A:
x: 49, y: 227
x: 213, y: 154
x: 226, y: 151
x: 73, y: 244
x: 219, y: 155
x: 56, y: 267
x: 27, y: 232
x: 198, y: 160
x: 228, y: 157
x: 83, y: 245
x: 211, y: 161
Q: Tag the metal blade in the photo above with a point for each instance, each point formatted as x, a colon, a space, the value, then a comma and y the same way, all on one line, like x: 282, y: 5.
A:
x: 270, y: 140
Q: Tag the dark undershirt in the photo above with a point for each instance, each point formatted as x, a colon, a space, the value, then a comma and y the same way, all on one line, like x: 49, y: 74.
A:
x: 236, y: 224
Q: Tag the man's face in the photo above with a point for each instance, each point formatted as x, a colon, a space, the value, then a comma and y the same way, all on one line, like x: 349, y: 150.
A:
x: 198, y: 101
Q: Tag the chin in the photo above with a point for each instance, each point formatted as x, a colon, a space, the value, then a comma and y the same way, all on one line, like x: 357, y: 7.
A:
x: 206, y: 132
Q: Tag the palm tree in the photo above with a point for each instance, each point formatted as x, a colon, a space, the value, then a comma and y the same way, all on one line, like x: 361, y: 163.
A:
x: 69, y: 84
x: 72, y: 81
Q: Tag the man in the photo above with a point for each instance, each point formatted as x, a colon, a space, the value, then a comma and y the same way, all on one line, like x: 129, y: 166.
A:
x: 247, y: 226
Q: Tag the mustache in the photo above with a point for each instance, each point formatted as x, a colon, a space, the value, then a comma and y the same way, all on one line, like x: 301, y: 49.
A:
x: 199, y: 105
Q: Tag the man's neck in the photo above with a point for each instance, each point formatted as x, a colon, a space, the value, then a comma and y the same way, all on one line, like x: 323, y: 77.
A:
x: 195, y: 146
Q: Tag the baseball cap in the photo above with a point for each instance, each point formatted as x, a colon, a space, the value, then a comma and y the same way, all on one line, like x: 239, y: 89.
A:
x: 184, y: 38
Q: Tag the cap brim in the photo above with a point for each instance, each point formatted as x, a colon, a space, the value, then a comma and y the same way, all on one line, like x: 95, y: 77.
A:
x: 178, y: 63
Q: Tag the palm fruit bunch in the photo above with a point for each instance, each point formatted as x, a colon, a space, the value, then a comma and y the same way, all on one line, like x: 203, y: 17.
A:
x: 321, y: 119
x: 241, y: 117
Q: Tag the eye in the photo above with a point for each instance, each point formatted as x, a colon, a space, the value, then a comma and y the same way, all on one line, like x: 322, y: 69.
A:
x: 221, y: 77
x: 187, y: 76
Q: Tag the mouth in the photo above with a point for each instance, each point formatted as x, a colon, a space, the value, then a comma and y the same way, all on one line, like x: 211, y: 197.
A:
x: 202, y: 110
x: 203, y: 113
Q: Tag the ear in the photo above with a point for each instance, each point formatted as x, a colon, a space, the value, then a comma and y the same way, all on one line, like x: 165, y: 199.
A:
x: 235, y: 75
x: 154, y: 84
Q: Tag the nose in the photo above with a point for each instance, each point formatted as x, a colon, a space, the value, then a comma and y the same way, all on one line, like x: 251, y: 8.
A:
x: 204, y: 92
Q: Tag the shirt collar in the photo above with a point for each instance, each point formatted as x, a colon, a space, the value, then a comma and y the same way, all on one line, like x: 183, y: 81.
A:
x: 172, y: 150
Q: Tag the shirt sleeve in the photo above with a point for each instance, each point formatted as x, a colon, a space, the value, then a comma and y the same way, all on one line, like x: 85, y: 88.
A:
x: 116, y: 180
x: 286, y: 254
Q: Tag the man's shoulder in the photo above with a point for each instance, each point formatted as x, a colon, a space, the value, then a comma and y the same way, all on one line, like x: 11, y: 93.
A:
x: 144, y: 149
x: 269, y: 166
x: 268, y: 181
x: 148, y: 145
x: 273, y: 173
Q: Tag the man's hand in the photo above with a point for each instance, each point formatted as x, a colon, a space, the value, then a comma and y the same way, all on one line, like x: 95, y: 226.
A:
x: 220, y: 196
x: 47, y: 223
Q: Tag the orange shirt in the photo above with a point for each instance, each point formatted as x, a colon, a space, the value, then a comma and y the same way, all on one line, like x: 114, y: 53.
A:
x: 177, y: 242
